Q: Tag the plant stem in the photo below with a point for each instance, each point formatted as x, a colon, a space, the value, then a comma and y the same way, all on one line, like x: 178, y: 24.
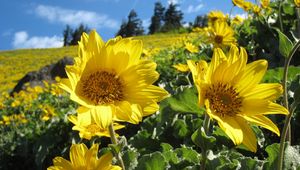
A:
x: 280, y: 17
x: 114, y: 140
x: 206, y: 130
x: 288, y: 118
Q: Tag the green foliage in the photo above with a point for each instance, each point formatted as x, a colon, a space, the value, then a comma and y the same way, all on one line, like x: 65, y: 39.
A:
x: 285, y: 44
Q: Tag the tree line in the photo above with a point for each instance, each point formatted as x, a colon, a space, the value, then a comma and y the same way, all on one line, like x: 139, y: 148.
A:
x: 163, y: 20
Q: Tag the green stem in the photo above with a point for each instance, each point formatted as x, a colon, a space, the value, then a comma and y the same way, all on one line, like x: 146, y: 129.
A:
x: 206, y: 130
x: 288, y: 118
x: 114, y: 140
x: 280, y: 17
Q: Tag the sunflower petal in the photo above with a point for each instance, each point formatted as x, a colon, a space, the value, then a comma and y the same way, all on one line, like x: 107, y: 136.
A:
x: 77, y: 153
x: 103, y: 115
x: 268, y: 91
x: 232, y: 128
x: 251, y: 76
x: 261, y: 106
x: 249, y: 138
x: 263, y: 121
x: 60, y: 164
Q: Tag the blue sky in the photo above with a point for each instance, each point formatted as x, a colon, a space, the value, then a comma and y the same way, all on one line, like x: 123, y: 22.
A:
x: 39, y: 24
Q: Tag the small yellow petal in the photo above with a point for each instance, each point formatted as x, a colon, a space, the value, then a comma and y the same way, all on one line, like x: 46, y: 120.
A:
x: 249, y: 138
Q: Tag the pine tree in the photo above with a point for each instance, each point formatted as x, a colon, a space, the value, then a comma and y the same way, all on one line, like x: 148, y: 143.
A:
x: 157, y: 18
x: 172, y: 18
x: 67, y: 34
x: 200, y: 21
x: 77, y: 34
x: 72, y: 37
x: 132, y: 27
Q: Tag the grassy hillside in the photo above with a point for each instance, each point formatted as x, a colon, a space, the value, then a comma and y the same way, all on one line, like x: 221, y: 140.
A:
x: 14, y: 64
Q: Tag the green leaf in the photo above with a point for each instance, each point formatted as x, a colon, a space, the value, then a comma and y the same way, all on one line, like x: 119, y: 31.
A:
x: 180, y: 129
x: 285, y: 44
x: 169, y: 154
x: 202, y: 140
x: 153, y: 161
x: 273, y: 152
x: 130, y: 158
x: 288, y: 8
x: 295, y: 88
x: 188, y: 154
x: 186, y: 102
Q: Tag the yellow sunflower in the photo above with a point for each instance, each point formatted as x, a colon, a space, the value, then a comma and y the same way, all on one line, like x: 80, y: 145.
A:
x: 111, y: 81
x: 264, y: 3
x: 231, y: 93
x: 191, y: 47
x: 83, y: 158
x: 247, y: 6
x: 88, y: 126
x: 237, y: 20
x: 181, y: 67
x: 238, y: 3
x: 221, y: 35
x: 214, y: 16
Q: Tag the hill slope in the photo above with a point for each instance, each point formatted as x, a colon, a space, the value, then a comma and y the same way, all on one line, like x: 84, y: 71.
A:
x: 14, y: 64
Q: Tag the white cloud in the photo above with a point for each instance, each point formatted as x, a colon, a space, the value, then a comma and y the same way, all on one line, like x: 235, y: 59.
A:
x: 242, y: 15
x: 22, y: 40
x: 194, y: 9
x: 75, y: 17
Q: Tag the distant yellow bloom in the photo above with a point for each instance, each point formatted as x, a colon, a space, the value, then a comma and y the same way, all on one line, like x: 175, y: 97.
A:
x: 48, y: 112
x: 221, y: 35
x: 238, y: 3
x: 297, y: 3
x: 256, y: 9
x: 181, y: 67
x: 247, y: 6
x: 229, y: 89
x: 111, y: 81
x: 88, y: 127
x: 264, y: 3
x: 82, y: 158
x: 237, y: 20
x: 191, y: 47
x: 214, y: 16
x: 15, y: 103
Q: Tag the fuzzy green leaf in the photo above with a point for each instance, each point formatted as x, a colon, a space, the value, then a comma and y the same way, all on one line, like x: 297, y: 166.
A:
x: 202, y: 140
x: 186, y: 102
x: 285, y: 44
x: 153, y: 161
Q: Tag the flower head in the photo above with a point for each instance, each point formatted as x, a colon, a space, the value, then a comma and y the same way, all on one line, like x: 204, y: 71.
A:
x: 238, y: 3
x: 221, y: 35
x: 191, y: 47
x: 181, y: 67
x: 111, y: 81
x: 231, y: 93
x: 264, y: 3
x: 215, y: 16
x: 84, y: 159
x: 88, y: 125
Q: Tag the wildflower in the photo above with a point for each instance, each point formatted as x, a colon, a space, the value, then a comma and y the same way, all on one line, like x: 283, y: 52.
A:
x: 88, y: 127
x: 265, y: 3
x: 191, y: 47
x: 238, y: 3
x: 247, y: 6
x: 111, y: 81
x: 221, y: 35
x: 214, y: 16
x: 237, y: 20
x: 256, y: 9
x: 230, y: 91
x: 83, y: 158
x: 181, y: 67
